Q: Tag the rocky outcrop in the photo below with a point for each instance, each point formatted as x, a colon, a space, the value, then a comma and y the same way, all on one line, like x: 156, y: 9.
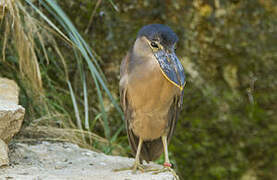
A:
x: 47, y: 160
x: 11, y: 115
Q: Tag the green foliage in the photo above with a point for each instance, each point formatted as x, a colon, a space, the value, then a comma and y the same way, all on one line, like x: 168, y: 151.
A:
x: 60, y: 96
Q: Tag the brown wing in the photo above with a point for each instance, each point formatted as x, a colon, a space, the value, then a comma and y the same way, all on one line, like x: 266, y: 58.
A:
x: 127, y: 109
x: 174, y: 111
x: 123, y: 81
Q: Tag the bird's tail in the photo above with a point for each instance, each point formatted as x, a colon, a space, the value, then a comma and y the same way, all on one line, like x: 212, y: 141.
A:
x: 151, y: 150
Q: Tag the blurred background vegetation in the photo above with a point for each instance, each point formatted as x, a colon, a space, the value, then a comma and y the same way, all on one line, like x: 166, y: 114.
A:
x: 69, y: 77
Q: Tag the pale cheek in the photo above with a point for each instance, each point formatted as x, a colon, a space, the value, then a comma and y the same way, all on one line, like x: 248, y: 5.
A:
x: 142, y: 47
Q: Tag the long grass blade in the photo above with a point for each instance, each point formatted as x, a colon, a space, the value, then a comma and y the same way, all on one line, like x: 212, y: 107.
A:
x: 47, y: 20
x: 75, y: 106
x: 106, y: 124
x: 83, y: 78
x: 85, y: 101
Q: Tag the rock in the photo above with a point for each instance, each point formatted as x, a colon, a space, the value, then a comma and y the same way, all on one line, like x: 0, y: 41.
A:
x: 4, y: 159
x: 45, y: 160
x: 11, y: 114
x: 9, y: 91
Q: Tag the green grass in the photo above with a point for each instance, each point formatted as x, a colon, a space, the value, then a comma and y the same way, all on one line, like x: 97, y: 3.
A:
x: 52, y: 83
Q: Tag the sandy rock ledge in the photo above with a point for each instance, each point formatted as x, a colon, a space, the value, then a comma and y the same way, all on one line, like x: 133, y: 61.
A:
x: 46, y: 160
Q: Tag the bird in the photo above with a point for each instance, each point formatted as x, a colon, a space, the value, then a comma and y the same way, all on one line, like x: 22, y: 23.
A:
x: 151, y: 86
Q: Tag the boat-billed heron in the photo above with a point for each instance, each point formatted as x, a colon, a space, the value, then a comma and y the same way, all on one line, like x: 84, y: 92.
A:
x: 151, y: 91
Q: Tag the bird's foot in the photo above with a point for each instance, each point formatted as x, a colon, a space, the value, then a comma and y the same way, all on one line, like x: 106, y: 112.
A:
x: 138, y: 166
x: 167, y: 168
x: 134, y: 168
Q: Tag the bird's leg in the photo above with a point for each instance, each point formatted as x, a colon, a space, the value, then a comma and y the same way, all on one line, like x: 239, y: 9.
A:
x: 137, y: 164
x: 167, y: 164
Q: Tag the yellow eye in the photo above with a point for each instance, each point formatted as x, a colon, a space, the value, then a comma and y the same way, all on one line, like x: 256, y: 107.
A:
x: 154, y: 45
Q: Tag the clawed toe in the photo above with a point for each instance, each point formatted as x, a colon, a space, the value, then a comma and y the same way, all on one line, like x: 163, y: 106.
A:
x: 134, y: 168
x: 166, y: 169
x: 138, y: 167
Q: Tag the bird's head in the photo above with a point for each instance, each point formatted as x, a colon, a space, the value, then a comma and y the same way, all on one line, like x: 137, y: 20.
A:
x: 159, y: 41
